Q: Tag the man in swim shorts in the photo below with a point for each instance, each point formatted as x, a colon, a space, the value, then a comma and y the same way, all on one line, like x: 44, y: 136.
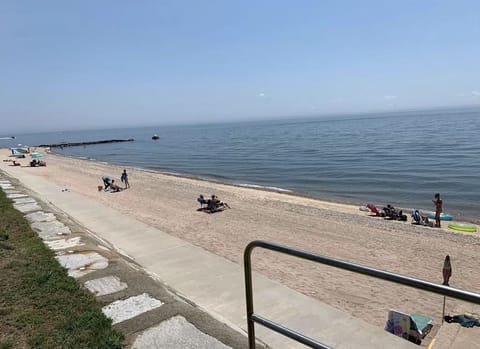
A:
x: 438, y: 209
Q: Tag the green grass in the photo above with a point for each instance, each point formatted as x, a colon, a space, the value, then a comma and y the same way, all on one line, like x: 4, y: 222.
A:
x: 40, y: 305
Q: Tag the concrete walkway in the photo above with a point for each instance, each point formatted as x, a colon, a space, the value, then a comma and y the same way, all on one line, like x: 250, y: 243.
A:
x: 212, y: 283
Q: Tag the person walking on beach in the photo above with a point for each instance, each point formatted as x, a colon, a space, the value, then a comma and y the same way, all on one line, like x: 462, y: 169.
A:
x: 124, y: 179
x: 438, y: 209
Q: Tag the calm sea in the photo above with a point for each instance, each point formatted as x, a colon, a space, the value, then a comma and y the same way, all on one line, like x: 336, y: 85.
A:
x: 395, y: 158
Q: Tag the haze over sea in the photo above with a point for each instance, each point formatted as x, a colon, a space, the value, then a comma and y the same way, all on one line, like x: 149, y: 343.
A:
x: 400, y: 158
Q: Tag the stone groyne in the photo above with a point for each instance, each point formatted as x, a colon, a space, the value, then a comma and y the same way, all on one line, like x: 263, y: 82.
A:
x: 76, y: 144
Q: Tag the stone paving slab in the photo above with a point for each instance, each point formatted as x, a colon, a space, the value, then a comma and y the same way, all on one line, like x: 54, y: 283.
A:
x: 80, y: 264
x: 24, y: 200
x: 122, y: 310
x: 28, y: 207
x: 16, y: 195
x: 176, y: 333
x: 62, y: 244
x: 105, y: 285
x: 40, y: 216
x: 50, y: 230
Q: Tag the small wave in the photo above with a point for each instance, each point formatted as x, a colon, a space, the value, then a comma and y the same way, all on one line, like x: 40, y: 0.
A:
x: 256, y: 186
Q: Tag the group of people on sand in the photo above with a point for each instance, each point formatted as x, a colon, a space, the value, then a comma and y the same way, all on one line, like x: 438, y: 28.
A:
x: 110, y: 185
x: 389, y: 212
x: 213, y: 204
x: 423, y: 219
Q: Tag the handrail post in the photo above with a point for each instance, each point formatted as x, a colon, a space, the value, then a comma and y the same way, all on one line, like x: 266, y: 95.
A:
x: 249, y: 295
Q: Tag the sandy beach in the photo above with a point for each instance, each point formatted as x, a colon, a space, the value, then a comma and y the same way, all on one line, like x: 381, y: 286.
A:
x: 169, y: 203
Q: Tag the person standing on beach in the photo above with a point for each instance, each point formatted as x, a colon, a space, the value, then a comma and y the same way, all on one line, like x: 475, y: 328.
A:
x: 438, y: 209
x: 124, y: 179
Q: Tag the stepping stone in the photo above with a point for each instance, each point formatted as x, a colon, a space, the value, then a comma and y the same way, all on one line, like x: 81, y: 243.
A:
x: 12, y: 191
x: 40, y: 216
x: 27, y: 207
x: 176, y: 333
x: 105, y: 285
x: 122, y: 310
x: 80, y: 264
x: 63, y: 244
x: 50, y: 230
x: 6, y: 186
x: 26, y: 200
x: 16, y: 195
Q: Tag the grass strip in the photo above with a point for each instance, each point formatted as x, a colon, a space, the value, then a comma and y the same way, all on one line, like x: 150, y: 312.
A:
x: 40, y: 305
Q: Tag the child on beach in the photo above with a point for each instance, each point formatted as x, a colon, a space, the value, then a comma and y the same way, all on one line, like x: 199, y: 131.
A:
x: 438, y: 209
x: 124, y: 179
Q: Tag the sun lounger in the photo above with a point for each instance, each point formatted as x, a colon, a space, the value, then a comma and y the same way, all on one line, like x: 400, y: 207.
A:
x: 413, y: 327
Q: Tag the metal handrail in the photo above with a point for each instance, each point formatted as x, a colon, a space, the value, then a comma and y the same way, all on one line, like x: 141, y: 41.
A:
x: 356, y: 268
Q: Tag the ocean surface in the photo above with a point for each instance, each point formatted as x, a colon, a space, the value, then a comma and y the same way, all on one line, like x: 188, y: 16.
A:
x: 401, y: 158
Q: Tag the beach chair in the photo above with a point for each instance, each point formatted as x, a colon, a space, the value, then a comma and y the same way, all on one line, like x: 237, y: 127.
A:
x: 375, y: 210
x: 201, y: 200
x: 418, y: 219
x: 413, y: 327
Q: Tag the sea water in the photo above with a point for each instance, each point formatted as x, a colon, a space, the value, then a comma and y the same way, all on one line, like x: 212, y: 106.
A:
x: 401, y: 158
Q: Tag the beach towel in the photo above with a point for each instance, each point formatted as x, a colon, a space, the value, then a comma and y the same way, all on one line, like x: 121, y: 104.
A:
x: 464, y: 320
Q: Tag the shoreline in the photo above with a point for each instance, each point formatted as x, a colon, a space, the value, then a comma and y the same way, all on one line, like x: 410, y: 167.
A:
x: 339, y: 201
x: 210, y: 180
x: 168, y: 202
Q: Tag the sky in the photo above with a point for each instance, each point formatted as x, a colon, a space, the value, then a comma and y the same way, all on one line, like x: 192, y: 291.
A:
x: 94, y: 64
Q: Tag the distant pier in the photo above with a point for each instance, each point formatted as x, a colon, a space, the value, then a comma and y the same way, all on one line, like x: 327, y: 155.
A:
x: 62, y: 145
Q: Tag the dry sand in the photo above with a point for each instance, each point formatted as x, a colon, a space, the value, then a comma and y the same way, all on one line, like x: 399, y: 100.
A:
x: 341, y: 231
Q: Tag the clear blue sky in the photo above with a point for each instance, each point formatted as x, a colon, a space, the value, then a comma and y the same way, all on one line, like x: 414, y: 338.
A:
x: 83, y: 64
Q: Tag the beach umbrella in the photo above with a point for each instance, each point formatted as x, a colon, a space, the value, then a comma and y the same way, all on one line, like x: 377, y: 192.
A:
x: 36, y: 155
x: 447, y: 273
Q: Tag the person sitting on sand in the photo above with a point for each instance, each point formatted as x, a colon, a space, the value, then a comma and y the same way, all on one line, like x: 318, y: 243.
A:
x: 420, y: 219
x: 201, y: 200
x: 115, y: 188
x: 221, y: 203
x: 216, y: 203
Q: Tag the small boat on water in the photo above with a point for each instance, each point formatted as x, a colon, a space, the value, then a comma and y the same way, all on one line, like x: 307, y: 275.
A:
x: 155, y: 136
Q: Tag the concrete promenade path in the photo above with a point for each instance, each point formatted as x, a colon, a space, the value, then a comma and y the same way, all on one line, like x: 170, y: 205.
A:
x: 213, y: 284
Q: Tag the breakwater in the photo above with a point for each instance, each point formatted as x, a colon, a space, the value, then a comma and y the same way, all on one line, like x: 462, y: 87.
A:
x: 76, y: 144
